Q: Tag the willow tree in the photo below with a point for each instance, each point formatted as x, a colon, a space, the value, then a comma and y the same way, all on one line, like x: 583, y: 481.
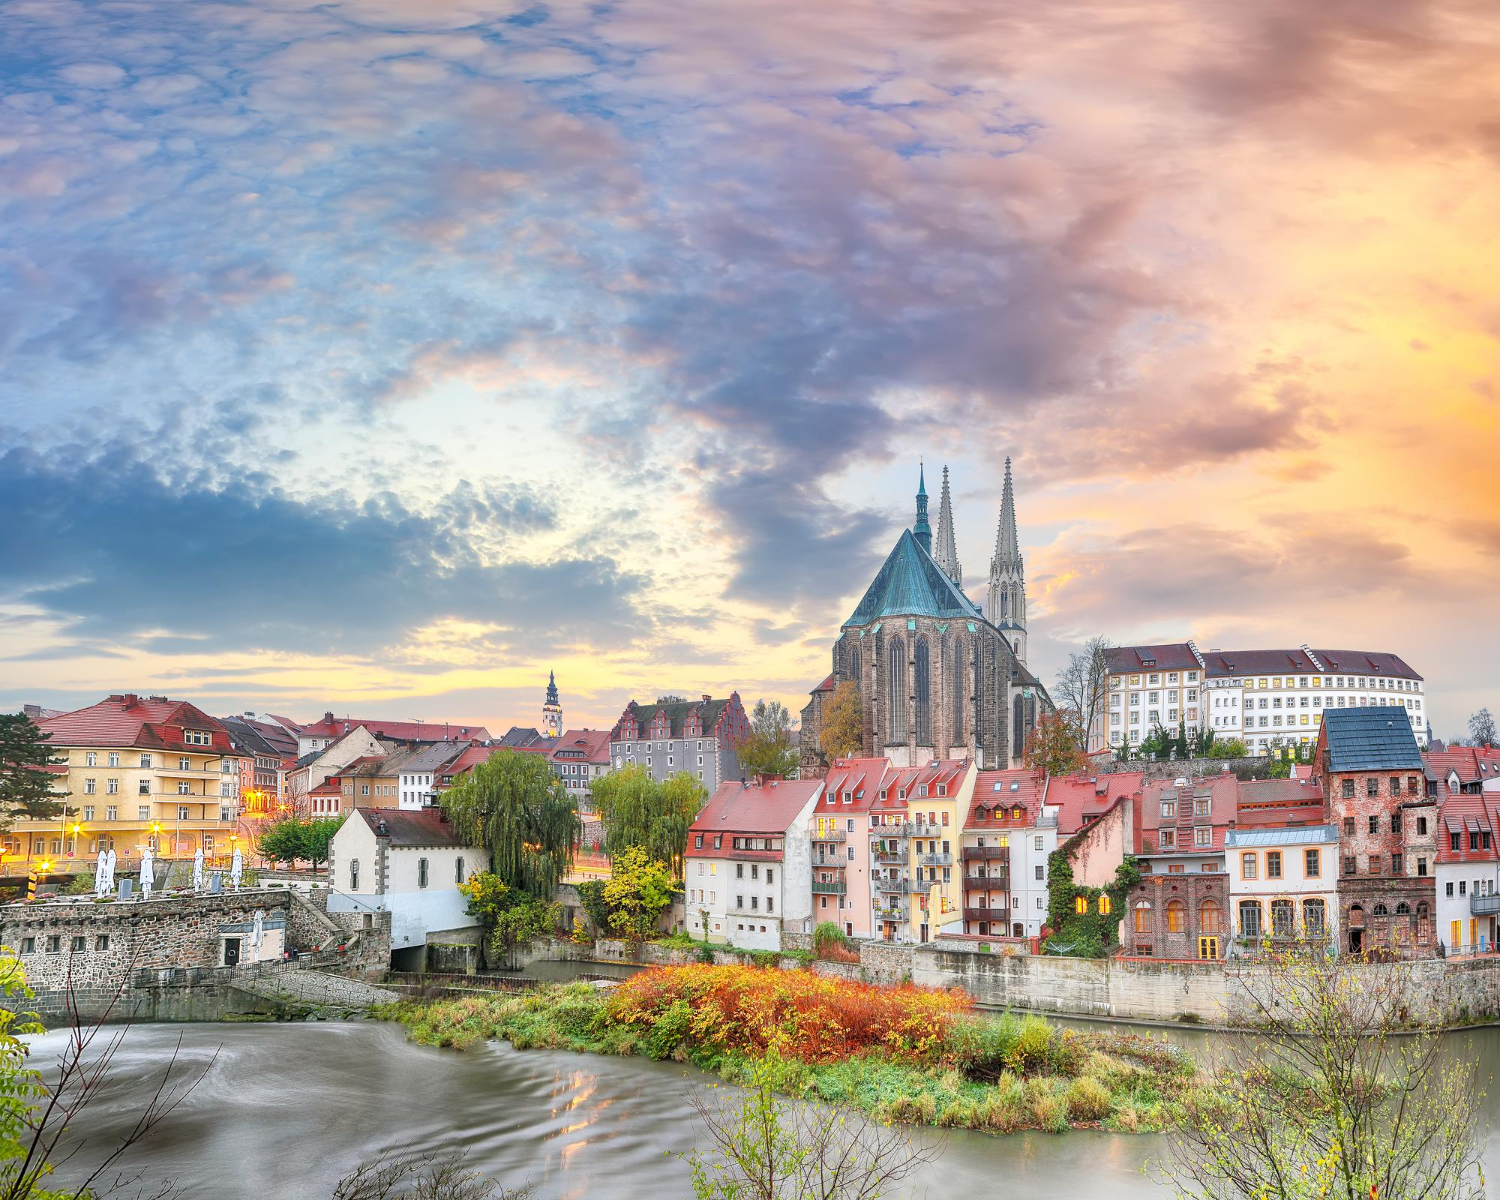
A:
x: 638, y: 811
x: 514, y: 806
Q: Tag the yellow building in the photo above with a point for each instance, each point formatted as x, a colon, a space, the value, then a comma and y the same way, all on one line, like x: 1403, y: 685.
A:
x: 916, y: 828
x: 133, y: 771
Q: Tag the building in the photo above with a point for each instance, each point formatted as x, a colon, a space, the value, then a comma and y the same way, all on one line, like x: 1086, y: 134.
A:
x: 1374, y: 788
x: 701, y: 737
x: 1283, y: 886
x: 323, y: 732
x: 1467, y: 875
x: 1179, y: 909
x: 938, y: 678
x: 270, y: 754
x: 1269, y: 698
x: 916, y: 826
x: 135, y: 771
x: 408, y: 864
x: 1462, y: 769
x: 552, y: 709
x: 315, y: 768
x: 1007, y: 838
x: 841, y: 855
x: 749, y: 863
x: 579, y: 757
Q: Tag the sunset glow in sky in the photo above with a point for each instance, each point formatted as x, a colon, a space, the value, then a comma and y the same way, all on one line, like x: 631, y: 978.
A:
x: 383, y: 355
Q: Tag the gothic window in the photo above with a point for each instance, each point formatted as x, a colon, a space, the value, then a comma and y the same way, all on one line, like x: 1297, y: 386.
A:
x: 1019, y: 742
x: 854, y: 664
x: 923, y: 688
x: 1004, y: 603
x: 896, y: 702
x: 956, y: 685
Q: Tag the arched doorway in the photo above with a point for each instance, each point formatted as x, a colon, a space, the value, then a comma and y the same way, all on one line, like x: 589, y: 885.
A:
x: 1356, y: 925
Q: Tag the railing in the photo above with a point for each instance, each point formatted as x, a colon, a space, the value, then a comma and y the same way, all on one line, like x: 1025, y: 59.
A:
x: 828, y: 835
x: 829, y: 887
x: 936, y: 860
x: 830, y: 864
x: 986, y: 914
x: 905, y: 887
x: 890, y: 859
x: 904, y: 830
x: 1484, y: 906
x: 986, y: 853
x: 987, y: 883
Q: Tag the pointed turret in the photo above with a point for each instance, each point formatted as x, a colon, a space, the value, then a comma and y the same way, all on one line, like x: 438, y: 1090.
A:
x: 921, y: 530
x: 945, y: 551
x: 1005, y: 604
x: 552, y: 709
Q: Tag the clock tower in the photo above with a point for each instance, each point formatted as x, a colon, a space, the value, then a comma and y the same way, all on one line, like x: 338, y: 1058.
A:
x: 551, y: 709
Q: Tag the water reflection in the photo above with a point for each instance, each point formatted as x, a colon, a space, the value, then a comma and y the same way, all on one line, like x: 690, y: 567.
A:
x: 287, y: 1109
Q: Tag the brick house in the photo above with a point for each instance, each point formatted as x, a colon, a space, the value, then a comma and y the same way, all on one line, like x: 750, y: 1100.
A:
x: 1178, y: 915
x: 1374, y: 789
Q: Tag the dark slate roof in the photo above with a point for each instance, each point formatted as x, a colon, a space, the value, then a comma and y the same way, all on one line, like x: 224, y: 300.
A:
x: 518, y: 735
x: 411, y: 827
x: 677, y: 712
x: 1174, y: 656
x: 910, y: 584
x: 1377, y: 738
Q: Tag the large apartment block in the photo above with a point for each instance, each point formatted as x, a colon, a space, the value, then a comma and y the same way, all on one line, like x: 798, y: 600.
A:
x: 1268, y: 698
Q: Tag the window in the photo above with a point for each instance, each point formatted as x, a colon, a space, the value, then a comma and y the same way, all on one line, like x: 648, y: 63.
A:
x: 458, y: 869
x: 1374, y: 824
x: 1142, y: 915
x: 1249, y: 866
x: 1372, y: 786
x: 421, y: 872
x: 114, y: 758
x: 143, y: 812
x: 1283, y: 918
x: 354, y: 874
x: 78, y: 945
x: 1176, y: 916
x: 1348, y: 786
x: 28, y: 945
x: 1312, y: 863
x: 54, y: 943
x: 112, y: 812
x: 145, y: 788
x: 1203, y: 836
x: 1348, y: 826
x: 1208, y: 917
x: 1314, y: 919
x: 1249, y: 918
x: 146, y: 761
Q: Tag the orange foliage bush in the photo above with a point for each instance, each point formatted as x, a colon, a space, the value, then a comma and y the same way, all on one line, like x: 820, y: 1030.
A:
x: 801, y: 1014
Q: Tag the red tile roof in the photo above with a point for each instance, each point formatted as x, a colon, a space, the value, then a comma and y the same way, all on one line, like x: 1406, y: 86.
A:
x: 580, y: 745
x: 1464, y: 813
x: 1173, y: 656
x: 150, y: 723
x: 996, y: 793
x: 859, y: 776
x: 1472, y: 764
x: 406, y: 731
x: 1079, y: 797
x: 1223, y: 805
x: 411, y: 827
x: 825, y: 686
x: 751, y: 809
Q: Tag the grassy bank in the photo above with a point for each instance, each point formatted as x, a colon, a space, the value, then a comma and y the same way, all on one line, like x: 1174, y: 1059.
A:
x: 901, y: 1054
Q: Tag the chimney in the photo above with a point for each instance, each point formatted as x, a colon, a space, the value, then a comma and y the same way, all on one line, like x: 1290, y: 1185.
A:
x: 130, y: 700
x: 328, y: 717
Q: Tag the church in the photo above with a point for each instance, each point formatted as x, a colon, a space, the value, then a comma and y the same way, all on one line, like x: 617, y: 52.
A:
x: 938, y: 677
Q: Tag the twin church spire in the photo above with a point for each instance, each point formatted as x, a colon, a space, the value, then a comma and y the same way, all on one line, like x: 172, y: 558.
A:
x: 1005, y: 602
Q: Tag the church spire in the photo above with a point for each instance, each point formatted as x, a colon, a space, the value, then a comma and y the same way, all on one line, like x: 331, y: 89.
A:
x: 921, y: 530
x: 945, y: 551
x: 1005, y: 604
x: 552, y: 709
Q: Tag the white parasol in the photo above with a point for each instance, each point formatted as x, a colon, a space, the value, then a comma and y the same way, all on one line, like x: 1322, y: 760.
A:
x: 258, y: 932
x: 101, y: 876
x: 148, y: 872
x: 236, y: 868
x: 109, y: 871
x: 198, y: 869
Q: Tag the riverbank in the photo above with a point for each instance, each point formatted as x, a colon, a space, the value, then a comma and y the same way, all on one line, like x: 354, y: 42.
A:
x: 901, y: 1054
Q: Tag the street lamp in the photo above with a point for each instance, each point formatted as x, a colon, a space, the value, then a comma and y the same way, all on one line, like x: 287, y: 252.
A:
x: 77, y: 829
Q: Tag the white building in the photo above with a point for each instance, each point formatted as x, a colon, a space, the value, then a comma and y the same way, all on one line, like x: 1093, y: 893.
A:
x: 1008, y: 835
x: 748, y: 869
x: 1282, y: 884
x: 1269, y: 698
x: 410, y: 865
x: 1467, y: 871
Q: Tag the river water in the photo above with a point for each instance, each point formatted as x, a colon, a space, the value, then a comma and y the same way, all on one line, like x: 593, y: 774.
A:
x: 286, y: 1109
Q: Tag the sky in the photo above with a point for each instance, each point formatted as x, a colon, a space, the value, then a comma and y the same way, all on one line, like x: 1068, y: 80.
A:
x: 381, y: 356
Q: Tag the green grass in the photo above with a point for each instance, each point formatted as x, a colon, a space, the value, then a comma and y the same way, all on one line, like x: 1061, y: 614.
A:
x: 994, y: 1074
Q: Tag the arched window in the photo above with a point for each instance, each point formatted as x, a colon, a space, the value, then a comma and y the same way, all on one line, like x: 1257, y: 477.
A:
x: 1380, y: 910
x: 923, y: 688
x: 956, y: 691
x: 1106, y: 906
x: 1018, y: 739
x: 1208, y: 917
x: 896, y: 702
x: 1356, y: 916
x: 1176, y: 916
x: 1142, y: 915
x: 1403, y: 909
x: 1250, y: 915
x: 1283, y: 918
x: 854, y: 664
x: 1314, y: 919
x: 421, y: 872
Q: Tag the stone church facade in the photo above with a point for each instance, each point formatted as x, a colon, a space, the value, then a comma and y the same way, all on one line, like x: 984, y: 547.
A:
x: 937, y: 678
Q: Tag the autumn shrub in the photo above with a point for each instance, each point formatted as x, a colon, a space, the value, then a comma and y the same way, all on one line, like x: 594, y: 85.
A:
x: 803, y: 1015
x: 668, y: 1031
x: 981, y: 1047
x: 1088, y: 1100
x: 1049, y: 1110
x: 1033, y: 1041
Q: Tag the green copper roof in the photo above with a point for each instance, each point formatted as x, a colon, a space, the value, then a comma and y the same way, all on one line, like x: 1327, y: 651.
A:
x: 910, y: 584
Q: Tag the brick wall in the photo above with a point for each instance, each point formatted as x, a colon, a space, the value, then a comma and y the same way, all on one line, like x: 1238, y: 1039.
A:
x: 1198, y: 903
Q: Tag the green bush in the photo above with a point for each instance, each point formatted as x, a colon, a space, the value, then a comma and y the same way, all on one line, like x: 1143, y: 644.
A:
x: 828, y: 934
x: 1049, y: 1111
x: 981, y: 1047
x: 1088, y: 1100
x: 1033, y: 1041
x: 668, y: 1031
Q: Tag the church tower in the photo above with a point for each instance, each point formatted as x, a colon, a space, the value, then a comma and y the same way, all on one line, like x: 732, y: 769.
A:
x: 551, y: 709
x: 945, y: 551
x: 921, y: 530
x: 1005, y: 604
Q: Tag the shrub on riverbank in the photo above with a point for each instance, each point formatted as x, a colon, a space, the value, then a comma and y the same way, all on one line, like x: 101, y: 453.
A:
x: 901, y: 1054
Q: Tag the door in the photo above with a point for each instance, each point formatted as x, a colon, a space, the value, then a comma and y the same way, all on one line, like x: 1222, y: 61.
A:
x: 1455, y: 935
x: 1356, y: 941
x: 1473, y: 934
x: 1208, y: 947
x: 231, y: 952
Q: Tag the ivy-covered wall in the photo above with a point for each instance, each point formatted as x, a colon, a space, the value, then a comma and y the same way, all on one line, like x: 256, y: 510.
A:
x: 1085, y: 920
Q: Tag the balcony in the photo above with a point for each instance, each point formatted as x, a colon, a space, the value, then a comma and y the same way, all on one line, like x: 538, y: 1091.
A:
x: 935, y: 860
x: 829, y: 864
x: 193, y: 773
x: 1484, y: 906
x: 987, y: 883
x: 986, y: 853
x: 889, y: 859
x: 987, y: 914
x: 828, y: 835
x: 891, y: 914
x: 829, y: 887
x: 903, y: 886
x: 905, y: 830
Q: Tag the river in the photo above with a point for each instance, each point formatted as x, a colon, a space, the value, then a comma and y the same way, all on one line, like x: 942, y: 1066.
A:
x: 286, y: 1109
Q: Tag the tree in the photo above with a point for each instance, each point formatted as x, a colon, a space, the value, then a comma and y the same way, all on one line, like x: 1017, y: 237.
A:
x: 1055, y: 745
x: 765, y: 1148
x: 1482, y: 729
x: 488, y: 896
x: 283, y: 841
x: 843, y: 732
x: 638, y: 892
x: 1083, y: 685
x: 638, y: 811
x: 768, y: 749
x: 318, y: 838
x: 1228, y: 748
x: 26, y: 785
x: 1336, y: 1095
x: 514, y: 806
